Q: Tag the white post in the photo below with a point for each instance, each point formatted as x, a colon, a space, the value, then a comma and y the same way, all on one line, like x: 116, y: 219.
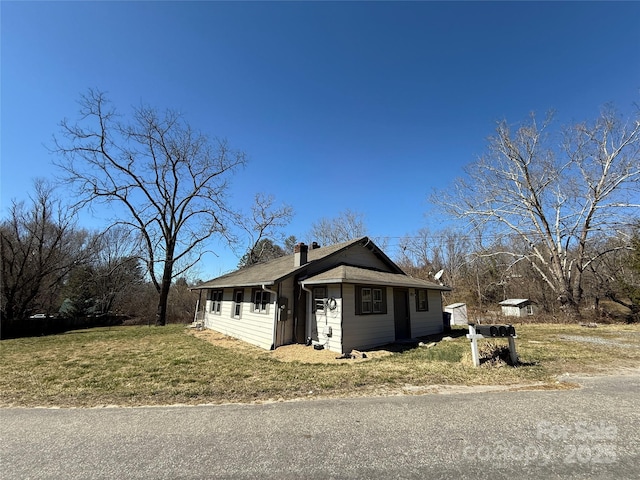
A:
x: 475, y: 356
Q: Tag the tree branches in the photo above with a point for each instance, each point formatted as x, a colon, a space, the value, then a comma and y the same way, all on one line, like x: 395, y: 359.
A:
x: 554, y: 191
x: 167, y: 181
x: 39, y: 245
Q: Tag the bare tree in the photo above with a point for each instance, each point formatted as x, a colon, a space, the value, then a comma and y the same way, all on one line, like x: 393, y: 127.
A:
x: 425, y: 253
x: 263, y: 230
x: 116, y: 267
x: 165, y: 180
x: 182, y: 301
x: 348, y: 225
x: 554, y: 197
x: 417, y: 252
x: 263, y: 251
x: 452, y: 256
x: 39, y: 246
x: 617, y: 277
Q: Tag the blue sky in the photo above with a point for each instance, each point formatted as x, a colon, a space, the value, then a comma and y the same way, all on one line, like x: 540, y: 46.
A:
x: 361, y: 105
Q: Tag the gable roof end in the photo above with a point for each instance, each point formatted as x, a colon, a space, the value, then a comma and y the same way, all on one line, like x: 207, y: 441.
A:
x: 270, y: 272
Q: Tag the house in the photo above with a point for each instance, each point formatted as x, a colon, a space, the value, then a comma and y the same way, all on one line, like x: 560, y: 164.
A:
x: 341, y: 297
x: 517, y: 307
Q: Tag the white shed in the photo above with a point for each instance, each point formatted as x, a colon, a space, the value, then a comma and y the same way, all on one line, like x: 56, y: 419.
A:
x: 457, y: 313
x: 517, y: 307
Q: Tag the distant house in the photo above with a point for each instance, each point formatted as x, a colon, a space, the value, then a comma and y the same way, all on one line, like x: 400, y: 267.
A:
x: 517, y: 307
x: 343, y: 297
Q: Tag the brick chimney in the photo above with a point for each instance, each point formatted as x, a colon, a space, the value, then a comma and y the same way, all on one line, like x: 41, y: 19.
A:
x: 300, y: 251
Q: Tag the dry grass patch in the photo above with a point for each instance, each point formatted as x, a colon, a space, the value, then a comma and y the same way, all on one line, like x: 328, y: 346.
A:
x: 224, y: 341
x: 153, y: 366
x: 578, y: 349
x: 287, y: 353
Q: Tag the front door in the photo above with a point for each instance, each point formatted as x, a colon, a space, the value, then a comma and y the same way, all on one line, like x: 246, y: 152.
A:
x: 300, y: 312
x: 401, y: 313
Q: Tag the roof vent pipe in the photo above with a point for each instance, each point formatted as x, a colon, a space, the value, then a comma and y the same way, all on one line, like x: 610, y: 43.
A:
x: 300, y: 251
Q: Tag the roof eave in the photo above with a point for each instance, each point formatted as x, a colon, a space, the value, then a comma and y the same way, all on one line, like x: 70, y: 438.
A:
x: 234, y: 285
x: 327, y: 281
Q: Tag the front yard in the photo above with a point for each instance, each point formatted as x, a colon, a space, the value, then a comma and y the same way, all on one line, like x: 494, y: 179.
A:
x: 175, y: 365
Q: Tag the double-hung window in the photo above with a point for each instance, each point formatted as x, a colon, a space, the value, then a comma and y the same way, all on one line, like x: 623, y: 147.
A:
x: 261, y: 301
x: 371, y: 300
x: 319, y: 298
x: 238, y: 295
x: 378, y: 301
x: 422, y: 301
x: 216, y: 301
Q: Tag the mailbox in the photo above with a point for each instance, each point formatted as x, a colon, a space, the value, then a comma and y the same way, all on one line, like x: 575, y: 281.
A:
x: 478, y: 332
x: 496, y: 330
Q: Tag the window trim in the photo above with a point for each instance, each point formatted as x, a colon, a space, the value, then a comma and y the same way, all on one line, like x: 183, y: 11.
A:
x: 236, y: 310
x: 215, y: 295
x: 375, y: 305
x: 260, y: 306
x: 426, y: 300
x: 323, y: 291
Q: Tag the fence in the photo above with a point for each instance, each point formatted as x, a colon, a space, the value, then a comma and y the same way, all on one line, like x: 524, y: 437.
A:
x: 35, y: 327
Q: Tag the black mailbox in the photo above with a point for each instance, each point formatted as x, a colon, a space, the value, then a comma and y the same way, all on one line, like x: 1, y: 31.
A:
x: 496, y: 330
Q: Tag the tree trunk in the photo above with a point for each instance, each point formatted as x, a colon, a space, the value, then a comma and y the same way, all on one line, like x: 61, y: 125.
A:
x: 569, y: 306
x: 161, y: 314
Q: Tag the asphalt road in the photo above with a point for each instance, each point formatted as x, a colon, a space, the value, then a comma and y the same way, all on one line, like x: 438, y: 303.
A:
x: 590, y: 432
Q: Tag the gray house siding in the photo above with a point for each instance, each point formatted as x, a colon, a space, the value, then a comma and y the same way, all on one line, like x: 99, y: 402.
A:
x: 327, y: 323
x: 359, y: 256
x: 252, y: 327
x: 368, y: 331
x: 429, y: 322
x: 365, y: 331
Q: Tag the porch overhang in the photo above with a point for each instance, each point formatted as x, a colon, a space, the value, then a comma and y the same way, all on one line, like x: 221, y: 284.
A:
x: 350, y: 274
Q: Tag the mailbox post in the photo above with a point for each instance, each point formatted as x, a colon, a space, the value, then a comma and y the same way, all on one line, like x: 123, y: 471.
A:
x: 477, y: 332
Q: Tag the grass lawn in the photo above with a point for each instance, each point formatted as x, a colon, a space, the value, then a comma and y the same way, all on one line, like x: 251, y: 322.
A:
x: 170, y: 365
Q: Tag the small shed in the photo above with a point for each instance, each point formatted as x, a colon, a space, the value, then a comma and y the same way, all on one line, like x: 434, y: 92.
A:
x: 457, y: 313
x: 517, y: 307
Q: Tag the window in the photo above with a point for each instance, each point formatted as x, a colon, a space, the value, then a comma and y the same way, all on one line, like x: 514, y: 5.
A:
x: 365, y: 299
x: 529, y: 309
x: 216, y: 301
x: 237, y: 302
x: 377, y: 300
x: 261, y: 301
x: 422, y: 301
x: 371, y: 300
x: 319, y: 298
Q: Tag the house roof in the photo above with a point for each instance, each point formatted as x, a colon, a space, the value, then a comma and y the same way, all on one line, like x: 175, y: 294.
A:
x: 515, y: 302
x: 349, y: 274
x: 456, y: 305
x: 275, y: 270
x: 270, y: 272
